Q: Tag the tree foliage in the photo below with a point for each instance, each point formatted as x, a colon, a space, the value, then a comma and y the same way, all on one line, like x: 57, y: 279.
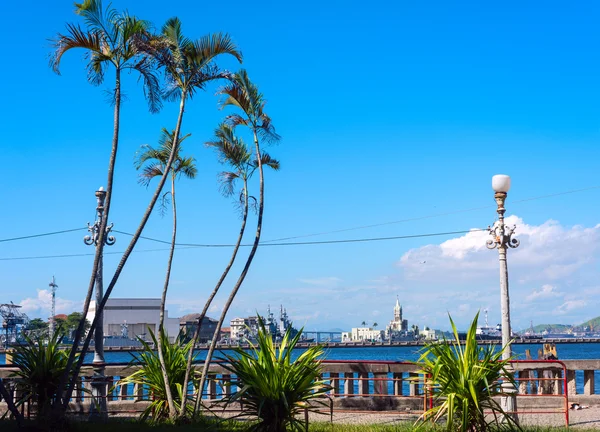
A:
x: 272, y: 386
x: 464, y: 380
x: 149, y: 374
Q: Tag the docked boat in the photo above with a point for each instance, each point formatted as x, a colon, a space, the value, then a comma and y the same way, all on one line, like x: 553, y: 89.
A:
x: 487, y: 333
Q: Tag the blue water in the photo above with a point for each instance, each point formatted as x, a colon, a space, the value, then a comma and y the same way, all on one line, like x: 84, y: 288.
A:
x: 587, y: 351
x: 584, y: 351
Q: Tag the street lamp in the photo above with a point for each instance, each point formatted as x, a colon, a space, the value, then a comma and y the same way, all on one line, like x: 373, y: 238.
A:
x: 98, y: 382
x: 502, y: 239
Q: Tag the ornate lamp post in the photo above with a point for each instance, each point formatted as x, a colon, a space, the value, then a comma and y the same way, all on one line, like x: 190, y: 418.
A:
x: 99, y: 383
x: 502, y: 239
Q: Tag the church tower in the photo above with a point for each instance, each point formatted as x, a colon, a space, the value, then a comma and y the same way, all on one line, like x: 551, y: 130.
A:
x: 397, y: 311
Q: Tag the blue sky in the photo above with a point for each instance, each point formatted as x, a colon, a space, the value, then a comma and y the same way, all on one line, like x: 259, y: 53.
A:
x: 387, y: 111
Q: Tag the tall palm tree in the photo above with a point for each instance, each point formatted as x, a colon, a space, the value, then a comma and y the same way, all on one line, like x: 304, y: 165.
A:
x: 244, y: 95
x: 189, y: 65
x: 152, y: 161
x: 108, y: 42
x: 233, y: 151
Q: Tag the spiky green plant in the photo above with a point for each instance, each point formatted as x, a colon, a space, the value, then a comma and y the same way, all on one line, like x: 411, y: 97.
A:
x: 150, y: 375
x: 464, y: 380
x: 271, y: 386
x: 41, y: 365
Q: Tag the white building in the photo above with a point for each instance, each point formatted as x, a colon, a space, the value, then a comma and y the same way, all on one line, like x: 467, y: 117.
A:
x: 365, y: 334
x: 398, y: 327
x: 237, y: 329
x: 138, y: 314
x: 428, y: 334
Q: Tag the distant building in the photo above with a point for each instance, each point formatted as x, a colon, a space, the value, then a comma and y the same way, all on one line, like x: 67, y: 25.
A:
x: 237, y: 328
x: 428, y: 334
x: 189, y: 323
x: 398, y: 327
x: 139, y: 315
x: 363, y: 334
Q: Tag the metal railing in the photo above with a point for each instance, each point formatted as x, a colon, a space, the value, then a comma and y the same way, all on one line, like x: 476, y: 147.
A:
x: 357, y: 386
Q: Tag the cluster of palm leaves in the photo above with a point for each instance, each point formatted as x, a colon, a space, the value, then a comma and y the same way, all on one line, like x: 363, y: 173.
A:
x: 175, y: 68
x: 465, y: 381
x: 41, y: 364
x: 149, y: 374
x: 274, y: 387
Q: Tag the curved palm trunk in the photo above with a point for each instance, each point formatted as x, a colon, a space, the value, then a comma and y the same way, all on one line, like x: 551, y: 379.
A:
x: 209, y: 301
x: 163, y: 300
x: 100, y: 247
x: 125, y: 257
x: 261, y: 202
x: 10, y: 404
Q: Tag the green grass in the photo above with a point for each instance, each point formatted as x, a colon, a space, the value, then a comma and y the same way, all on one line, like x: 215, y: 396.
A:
x: 232, y: 426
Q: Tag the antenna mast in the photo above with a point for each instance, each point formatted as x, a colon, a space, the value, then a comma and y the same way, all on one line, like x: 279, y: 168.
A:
x: 53, y: 287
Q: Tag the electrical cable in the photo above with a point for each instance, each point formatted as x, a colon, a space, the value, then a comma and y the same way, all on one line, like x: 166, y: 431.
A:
x: 433, y: 215
x: 192, y: 245
x: 41, y: 235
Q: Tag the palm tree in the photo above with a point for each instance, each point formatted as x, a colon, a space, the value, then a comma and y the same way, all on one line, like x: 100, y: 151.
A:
x: 153, y: 161
x: 188, y: 65
x: 375, y: 325
x: 244, y: 95
x: 107, y: 41
x: 364, y: 323
x: 233, y: 151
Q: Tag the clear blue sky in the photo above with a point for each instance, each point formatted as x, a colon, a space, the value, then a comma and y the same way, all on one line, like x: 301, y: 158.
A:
x: 388, y: 111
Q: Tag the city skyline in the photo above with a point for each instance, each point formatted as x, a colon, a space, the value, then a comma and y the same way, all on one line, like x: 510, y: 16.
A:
x: 404, y: 144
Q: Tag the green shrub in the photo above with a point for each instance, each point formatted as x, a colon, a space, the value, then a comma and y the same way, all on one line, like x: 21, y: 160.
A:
x: 464, y: 379
x: 150, y: 376
x: 271, y: 386
x: 41, y: 365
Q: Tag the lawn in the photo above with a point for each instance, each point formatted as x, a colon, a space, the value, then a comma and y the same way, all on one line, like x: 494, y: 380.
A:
x: 232, y: 426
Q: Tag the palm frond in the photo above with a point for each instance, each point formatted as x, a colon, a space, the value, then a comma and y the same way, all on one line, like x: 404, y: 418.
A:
x: 75, y: 38
x: 152, y: 90
x: 94, y: 16
x: 267, y: 160
x: 150, y: 171
x: 186, y: 167
x: 208, y: 47
x: 273, y: 387
x: 227, y: 180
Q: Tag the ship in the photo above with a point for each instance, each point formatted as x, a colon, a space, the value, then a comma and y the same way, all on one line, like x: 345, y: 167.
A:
x: 487, y: 333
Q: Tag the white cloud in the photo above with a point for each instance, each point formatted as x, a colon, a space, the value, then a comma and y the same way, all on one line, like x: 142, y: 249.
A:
x: 546, y: 292
x: 570, y: 305
x: 463, y: 271
x: 548, y: 251
x: 42, y: 304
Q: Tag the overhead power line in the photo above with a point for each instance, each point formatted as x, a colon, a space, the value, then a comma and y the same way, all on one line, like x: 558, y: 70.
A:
x: 41, y: 235
x: 431, y: 216
x: 193, y: 245
x: 264, y: 243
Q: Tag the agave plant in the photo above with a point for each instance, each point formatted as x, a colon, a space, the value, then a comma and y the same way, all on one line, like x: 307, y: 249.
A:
x: 465, y: 380
x: 40, y: 365
x: 271, y: 386
x: 150, y: 376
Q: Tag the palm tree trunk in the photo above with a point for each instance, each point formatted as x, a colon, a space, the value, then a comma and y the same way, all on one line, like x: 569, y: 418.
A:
x: 10, y: 404
x: 161, y: 326
x: 261, y: 202
x: 100, y: 247
x: 209, y: 301
x: 126, y: 254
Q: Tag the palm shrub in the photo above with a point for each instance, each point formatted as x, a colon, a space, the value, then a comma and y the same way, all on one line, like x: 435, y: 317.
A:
x: 464, y: 380
x: 271, y: 386
x: 41, y: 364
x: 149, y: 374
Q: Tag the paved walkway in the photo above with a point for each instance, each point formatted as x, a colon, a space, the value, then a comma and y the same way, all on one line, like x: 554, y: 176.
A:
x: 581, y: 419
